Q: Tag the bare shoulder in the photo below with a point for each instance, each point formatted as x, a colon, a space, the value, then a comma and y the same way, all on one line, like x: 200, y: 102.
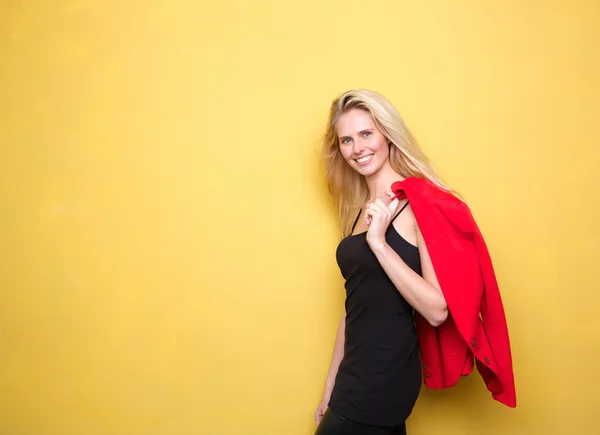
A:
x: 405, y: 224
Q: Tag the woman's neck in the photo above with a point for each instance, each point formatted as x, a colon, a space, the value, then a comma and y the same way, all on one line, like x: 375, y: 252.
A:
x: 380, y: 183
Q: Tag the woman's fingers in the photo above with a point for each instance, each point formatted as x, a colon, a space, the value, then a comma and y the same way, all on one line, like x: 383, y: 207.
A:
x: 382, y: 208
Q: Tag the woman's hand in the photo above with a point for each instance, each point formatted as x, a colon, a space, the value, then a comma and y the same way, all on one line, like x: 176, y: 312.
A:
x: 321, y: 408
x: 378, y: 217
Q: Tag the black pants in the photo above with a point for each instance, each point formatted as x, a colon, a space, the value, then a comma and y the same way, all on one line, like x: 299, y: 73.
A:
x: 335, y: 424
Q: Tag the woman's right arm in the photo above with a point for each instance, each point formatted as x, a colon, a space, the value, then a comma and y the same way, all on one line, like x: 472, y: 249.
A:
x: 336, y: 359
x: 338, y: 354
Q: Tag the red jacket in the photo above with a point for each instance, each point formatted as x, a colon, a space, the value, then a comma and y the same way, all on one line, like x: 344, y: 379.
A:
x: 476, y: 324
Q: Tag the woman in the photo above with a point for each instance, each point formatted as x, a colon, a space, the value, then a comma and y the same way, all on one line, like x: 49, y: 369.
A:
x: 375, y: 374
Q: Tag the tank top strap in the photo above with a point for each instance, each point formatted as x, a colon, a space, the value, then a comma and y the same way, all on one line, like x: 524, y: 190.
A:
x: 356, y: 220
x: 398, y: 214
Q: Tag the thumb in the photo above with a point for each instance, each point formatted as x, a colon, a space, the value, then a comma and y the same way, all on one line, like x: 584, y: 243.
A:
x: 394, y: 204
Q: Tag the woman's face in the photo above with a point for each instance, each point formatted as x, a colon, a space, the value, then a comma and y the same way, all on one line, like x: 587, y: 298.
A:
x: 363, y: 146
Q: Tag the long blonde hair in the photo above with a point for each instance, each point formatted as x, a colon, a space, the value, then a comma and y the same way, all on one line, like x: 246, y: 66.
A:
x: 347, y: 187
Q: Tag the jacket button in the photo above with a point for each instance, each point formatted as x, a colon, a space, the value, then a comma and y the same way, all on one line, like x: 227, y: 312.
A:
x: 427, y: 375
x: 487, y: 360
x: 473, y: 343
x: 425, y: 367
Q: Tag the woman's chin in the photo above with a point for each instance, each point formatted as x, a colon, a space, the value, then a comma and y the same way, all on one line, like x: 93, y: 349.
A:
x: 367, y: 170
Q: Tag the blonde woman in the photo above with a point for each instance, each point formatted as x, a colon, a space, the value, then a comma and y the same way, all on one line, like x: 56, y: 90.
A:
x: 376, y: 370
x: 375, y: 375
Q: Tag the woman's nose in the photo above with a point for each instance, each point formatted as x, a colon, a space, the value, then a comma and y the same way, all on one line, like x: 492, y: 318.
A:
x: 357, y: 147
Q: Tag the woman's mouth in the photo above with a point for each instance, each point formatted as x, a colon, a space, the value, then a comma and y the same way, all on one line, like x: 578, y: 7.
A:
x: 363, y: 161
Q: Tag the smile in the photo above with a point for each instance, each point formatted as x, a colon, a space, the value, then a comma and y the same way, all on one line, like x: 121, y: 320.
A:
x: 364, y: 160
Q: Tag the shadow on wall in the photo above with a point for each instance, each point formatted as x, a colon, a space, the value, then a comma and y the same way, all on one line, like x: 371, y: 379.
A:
x: 467, y: 406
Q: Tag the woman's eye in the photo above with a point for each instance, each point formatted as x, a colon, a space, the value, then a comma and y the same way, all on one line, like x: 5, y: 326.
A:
x: 345, y: 140
x: 366, y: 133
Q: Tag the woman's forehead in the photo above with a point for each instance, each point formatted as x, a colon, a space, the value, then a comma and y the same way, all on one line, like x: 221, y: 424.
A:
x: 354, y: 121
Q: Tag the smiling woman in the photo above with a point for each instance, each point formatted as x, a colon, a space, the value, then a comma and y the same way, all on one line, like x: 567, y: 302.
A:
x: 365, y: 134
x: 361, y: 144
x: 375, y: 374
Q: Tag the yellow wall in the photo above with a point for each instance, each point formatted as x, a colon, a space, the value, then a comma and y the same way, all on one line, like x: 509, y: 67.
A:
x: 167, y: 260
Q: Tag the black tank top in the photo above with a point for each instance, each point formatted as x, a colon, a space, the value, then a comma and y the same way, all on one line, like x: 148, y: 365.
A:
x: 379, y: 378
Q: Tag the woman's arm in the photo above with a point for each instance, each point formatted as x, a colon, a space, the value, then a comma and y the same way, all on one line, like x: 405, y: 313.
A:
x: 336, y: 359
x: 422, y: 293
x: 338, y: 354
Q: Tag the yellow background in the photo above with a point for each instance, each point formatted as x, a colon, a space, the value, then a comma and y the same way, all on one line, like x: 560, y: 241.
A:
x: 167, y: 263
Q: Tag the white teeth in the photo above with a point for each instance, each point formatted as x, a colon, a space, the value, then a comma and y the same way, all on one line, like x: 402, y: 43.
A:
x: 364, y: 159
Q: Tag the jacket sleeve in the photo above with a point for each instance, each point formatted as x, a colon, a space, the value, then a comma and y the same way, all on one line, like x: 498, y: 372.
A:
x: 495, y: 325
